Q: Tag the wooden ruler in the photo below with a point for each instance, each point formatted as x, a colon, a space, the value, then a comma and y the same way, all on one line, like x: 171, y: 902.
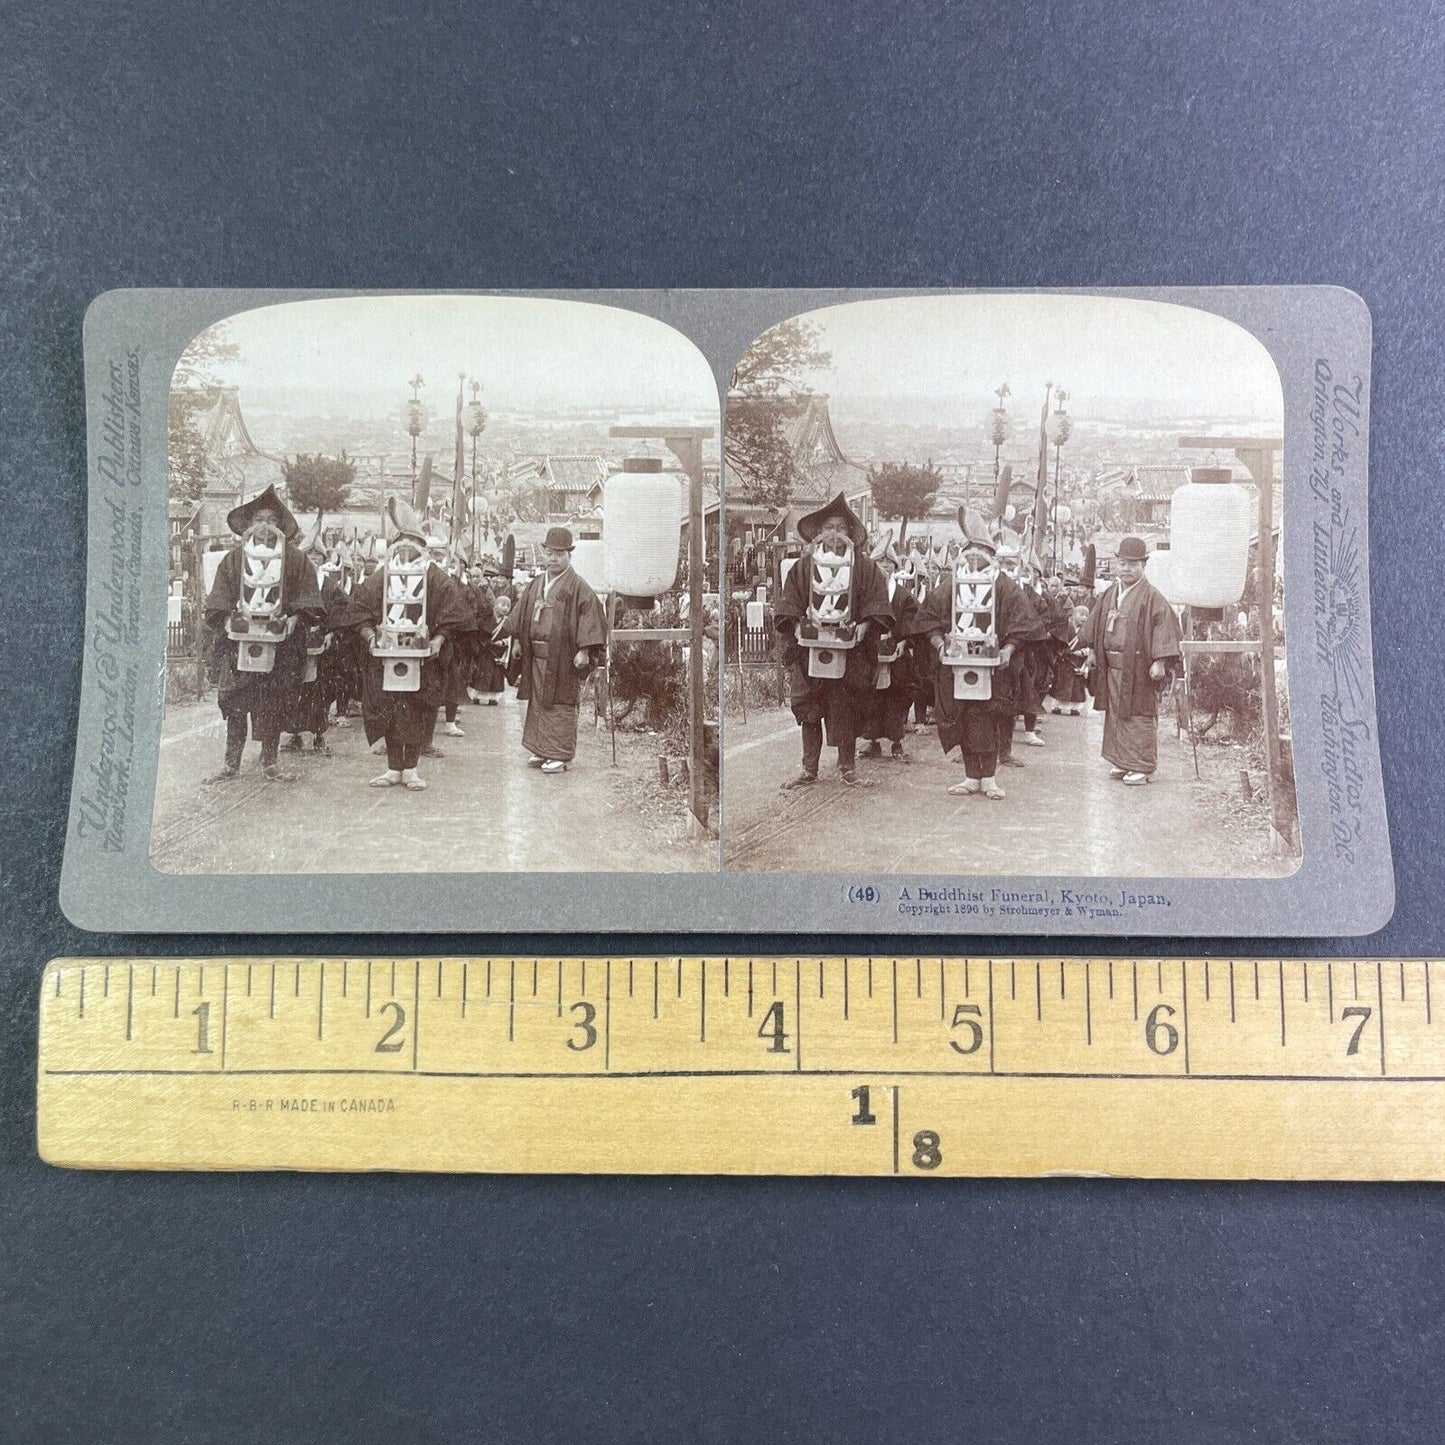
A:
x: 915, y: 1067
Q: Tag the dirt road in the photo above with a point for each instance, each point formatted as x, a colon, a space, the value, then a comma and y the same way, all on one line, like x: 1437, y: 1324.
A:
x: 484, y: 809
x: 1063, y: 816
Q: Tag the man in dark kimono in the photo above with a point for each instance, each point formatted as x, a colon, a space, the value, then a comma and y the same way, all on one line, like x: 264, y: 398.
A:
x: 835, y: 703
x: 1133, y: 639
x: 263, y: 699
x: 885, y: 711
x: 314, y: 698
x: 404, y: 719
x: 976, y: 727
x: 461, y: 653
x: 1022, y: 673
x: 488, y: 679
x: 1052, y: 604
x: 1069, y: 691
x: 561, y: 634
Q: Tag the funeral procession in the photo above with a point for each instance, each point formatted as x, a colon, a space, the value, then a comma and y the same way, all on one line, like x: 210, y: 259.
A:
x: 1006, y: 623
x: 412, y: 636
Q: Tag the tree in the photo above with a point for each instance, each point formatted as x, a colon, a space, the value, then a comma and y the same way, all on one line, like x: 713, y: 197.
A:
x: 191, y: 395
x: 318, y: 483
x: 765, y: 392
x: 903, y: 490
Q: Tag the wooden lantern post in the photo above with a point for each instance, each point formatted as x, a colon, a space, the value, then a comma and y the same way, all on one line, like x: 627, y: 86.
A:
x: 1256, y: 455
x: 685, y: 443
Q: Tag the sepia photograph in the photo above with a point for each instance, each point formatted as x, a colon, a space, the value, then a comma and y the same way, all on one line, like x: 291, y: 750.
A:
x: 1004, y: 593
x: 443, y: 583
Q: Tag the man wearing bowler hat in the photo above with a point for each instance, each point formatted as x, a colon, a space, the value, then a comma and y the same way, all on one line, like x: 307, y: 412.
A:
x: 1133, y: 639
x: 561, y: 633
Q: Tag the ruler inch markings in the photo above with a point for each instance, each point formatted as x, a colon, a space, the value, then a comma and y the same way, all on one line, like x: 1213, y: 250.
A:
x: 416, y: 1012
x: 1075, y: 1046
x: 1380, y: 999
x: 1184, y: 1005
x: 1281, y: 1005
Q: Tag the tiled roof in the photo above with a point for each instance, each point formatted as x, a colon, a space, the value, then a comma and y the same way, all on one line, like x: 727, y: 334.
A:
x: 1144, y: 481
x: 1159, y: 483
x: 578, y: 472
x: 823, y: 469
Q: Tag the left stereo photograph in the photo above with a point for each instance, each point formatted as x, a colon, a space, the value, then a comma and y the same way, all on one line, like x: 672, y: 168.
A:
x: 394, y: 640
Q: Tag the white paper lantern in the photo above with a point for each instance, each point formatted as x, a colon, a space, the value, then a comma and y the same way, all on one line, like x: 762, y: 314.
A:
x: 588, y: 562
x: 642, y: 527
x: 1063, y: 514
x: 1209, y: 528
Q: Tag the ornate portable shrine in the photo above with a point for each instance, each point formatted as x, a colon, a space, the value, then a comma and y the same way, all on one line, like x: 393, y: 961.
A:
x: 401, y: 640
x: 258, y: 625
x: 828, y: 631
x: 971, y: 646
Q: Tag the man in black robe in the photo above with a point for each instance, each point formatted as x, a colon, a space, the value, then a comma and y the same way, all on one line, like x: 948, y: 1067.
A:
x: 561, y: 634
x: 832, y: 703
x: 1018, y: 680
x: 1133, y: 639
x: 1052, y: 604
x: 462, y: 650
x: 262, y: 700
x: 488, y: 680
x: 311, y: 713
x: 976, y: 726
x: 404, y: 719
x: 885, y: 711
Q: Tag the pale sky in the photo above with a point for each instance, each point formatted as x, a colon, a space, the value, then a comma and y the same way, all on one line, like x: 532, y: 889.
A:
x: 1107, y: 353
x: 359, y: 353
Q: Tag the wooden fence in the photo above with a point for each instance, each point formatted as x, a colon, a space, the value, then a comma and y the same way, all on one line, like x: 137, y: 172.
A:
x: 754, y: 646
x: 180, y: 639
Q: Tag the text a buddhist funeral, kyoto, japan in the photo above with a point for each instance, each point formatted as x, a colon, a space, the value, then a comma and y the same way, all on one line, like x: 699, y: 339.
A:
x: 1004, y: 593
x: 443, y: 587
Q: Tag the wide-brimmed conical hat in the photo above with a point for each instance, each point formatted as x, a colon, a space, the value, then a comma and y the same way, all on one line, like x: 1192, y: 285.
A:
x: 812, y: 523
x: 238, y: 519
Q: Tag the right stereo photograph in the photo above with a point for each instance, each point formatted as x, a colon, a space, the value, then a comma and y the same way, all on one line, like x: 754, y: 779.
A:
x: 1003, y: 593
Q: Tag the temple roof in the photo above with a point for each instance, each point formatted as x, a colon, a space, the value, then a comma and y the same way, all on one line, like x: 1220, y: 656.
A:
x: 570, y: 473
x: 823, y: 469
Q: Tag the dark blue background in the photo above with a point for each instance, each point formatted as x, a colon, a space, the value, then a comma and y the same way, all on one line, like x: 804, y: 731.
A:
x: 319, y: 144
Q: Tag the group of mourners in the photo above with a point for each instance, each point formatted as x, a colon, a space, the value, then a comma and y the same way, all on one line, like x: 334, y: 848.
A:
x: 1053, y: 652
x: 482, y: 632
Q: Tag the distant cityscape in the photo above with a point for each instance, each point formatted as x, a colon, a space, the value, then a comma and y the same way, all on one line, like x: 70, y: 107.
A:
x: 1094, y: 446
x: 510, y: 436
